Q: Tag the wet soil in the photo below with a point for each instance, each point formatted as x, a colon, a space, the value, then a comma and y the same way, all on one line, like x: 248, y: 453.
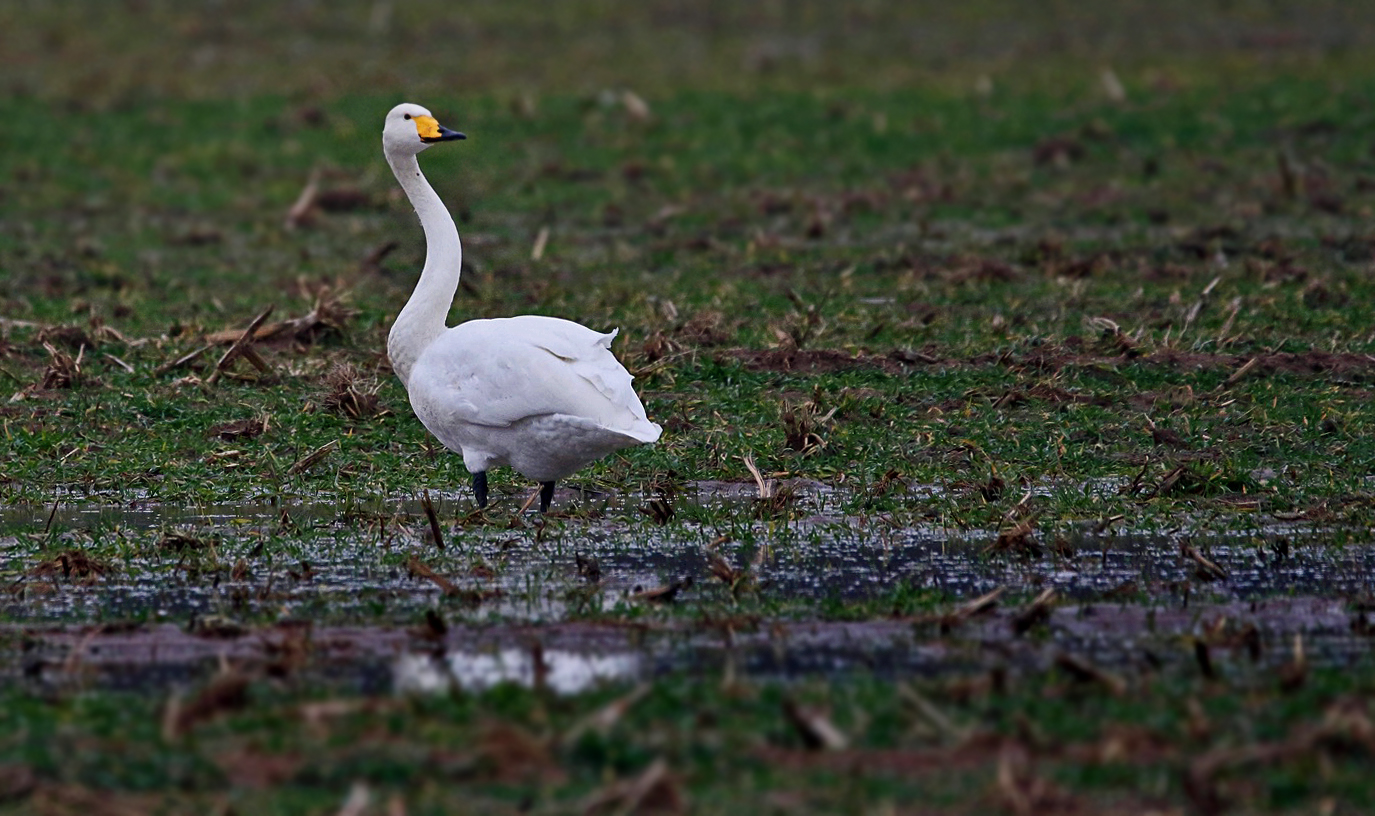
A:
x: 572, y: 656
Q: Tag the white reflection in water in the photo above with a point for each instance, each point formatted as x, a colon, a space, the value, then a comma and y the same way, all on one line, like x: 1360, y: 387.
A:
x: 565, y: 672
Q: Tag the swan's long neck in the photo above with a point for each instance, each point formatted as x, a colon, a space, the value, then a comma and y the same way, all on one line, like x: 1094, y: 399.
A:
x: 421, y: 321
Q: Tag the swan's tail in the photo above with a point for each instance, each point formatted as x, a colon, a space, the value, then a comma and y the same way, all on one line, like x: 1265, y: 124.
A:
x: 644, y: 431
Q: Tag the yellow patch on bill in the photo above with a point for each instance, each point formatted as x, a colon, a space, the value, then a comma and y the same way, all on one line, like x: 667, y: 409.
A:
x: 426, y: 126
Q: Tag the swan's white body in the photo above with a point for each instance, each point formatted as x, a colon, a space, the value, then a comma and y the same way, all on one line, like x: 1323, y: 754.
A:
x: 541, y: 394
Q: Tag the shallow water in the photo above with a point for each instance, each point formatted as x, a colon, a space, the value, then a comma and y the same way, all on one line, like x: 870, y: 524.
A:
x: 1281, y: 578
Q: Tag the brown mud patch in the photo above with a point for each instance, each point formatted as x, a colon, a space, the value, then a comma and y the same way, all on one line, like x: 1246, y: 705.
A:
x: 814, y: 361
x: 1312, y: 363
x: 1055, y: 358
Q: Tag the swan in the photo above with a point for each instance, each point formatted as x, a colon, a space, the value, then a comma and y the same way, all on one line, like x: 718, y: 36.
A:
x: 541, y: 394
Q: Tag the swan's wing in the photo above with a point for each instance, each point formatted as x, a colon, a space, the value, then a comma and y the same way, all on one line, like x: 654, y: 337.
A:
x: 499, y: 372
x: 593, y: 362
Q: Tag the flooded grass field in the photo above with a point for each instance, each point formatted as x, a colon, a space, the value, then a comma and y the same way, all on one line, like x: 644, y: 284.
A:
x: 1015, y: 366
x: 803, y: 597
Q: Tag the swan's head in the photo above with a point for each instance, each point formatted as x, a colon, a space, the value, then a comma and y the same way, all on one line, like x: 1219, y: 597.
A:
x: 410, y: 129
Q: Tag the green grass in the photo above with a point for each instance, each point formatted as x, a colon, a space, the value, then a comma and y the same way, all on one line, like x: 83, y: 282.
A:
x: 728, y: 749
x: 853, y: 289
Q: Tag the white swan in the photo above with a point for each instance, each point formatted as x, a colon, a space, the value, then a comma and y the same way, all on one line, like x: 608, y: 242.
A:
x: 540, y: 394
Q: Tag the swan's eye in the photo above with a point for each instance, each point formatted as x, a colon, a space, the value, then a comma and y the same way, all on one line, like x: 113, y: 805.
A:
x: 408, y: 116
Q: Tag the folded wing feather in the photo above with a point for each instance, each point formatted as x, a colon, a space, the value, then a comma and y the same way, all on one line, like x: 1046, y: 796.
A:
x: 500, y: 371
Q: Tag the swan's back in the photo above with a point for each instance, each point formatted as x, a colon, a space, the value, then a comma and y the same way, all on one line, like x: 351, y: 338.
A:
x: 484, y: 386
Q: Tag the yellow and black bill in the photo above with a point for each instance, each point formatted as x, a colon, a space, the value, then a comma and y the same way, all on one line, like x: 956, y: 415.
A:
x: 431, y: 131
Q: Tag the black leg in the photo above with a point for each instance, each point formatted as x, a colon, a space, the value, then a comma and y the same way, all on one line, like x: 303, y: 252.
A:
x: 480, y: 488
x: 546, y: 495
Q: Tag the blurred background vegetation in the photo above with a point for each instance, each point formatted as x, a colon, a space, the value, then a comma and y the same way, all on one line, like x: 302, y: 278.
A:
x: 98, y: 54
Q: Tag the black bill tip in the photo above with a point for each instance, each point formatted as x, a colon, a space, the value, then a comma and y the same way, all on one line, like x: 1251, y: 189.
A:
x: 445, y: 135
